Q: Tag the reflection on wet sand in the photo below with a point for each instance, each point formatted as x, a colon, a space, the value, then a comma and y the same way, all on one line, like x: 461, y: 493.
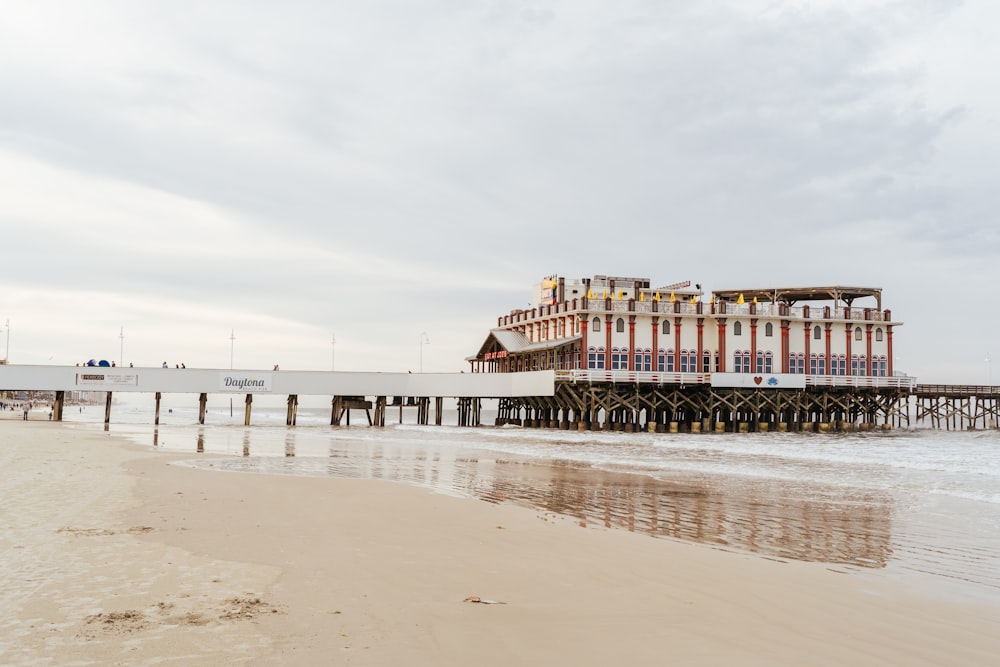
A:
x: 793, y: 521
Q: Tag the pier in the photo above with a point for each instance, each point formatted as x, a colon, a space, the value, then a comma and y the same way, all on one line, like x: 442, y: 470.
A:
x: 348, y: 391
x: 577, y: 399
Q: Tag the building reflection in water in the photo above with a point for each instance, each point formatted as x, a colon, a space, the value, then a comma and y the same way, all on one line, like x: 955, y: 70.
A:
x: 793, y: 521
x: 782, y: 519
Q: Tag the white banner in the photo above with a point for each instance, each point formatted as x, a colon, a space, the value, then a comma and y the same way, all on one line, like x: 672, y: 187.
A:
x: 109, y: 380
x: 245, y: 383
x: 760, y: 380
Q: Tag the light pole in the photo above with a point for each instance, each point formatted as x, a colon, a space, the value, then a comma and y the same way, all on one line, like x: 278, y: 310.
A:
x: 333, y: 352
x: 6, y: 356
x: 989, y: 369
x: 423, y: 339
x: 121, y: 348
x: 232, y: 346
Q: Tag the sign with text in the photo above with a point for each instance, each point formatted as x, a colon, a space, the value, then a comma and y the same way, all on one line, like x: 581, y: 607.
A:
x: 245, y: 383
x: 759, y: 380
x: 107, y: 380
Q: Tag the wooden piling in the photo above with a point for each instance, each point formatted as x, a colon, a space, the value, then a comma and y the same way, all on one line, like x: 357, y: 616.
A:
x: 202, y: 407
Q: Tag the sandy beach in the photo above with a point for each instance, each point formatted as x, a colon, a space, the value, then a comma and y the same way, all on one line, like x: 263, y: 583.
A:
x: 112, y: 555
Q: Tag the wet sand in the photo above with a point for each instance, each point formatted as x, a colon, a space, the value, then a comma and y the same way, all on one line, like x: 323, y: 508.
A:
x: 112, y: 555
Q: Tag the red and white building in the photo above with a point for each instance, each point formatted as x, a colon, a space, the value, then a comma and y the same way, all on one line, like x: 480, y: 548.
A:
x: 617, y: 329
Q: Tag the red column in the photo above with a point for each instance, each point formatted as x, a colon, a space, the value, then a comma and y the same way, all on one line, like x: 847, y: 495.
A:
x: 868, y: 346
x: 829, y: 347
x: 888, y: 334
x: 808, y: 332
x: 631, y: 342
x: 849, y: 331
x: 607, y: 348
x: 753, y: 346
x: 677, y: 343
x: 584, y: 327
x: 785, y: 346
x: 701, y: 344
x: 656, y: 333
x: 722, y: 344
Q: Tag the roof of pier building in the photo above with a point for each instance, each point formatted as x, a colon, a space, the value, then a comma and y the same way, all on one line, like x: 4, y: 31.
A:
x: 793, y: 295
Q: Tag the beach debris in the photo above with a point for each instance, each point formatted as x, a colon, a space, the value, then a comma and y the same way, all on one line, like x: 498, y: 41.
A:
x: 479, y: 600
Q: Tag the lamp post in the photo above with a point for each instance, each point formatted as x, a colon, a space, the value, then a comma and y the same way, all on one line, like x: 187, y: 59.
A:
x: 6, y: 356
x: 423, y: 339
x: 333, y: 352
x: 121, y: 348
x: 232, y: 346
x: 989, y: 369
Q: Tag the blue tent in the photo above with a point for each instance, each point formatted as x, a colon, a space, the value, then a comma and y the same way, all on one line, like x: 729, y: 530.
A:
x: 104, y: 363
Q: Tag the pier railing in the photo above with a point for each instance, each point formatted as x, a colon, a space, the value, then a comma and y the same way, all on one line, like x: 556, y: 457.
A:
x: 648, y: 377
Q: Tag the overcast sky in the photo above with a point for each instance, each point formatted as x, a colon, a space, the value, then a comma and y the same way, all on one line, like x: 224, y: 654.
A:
x: 290, y: 172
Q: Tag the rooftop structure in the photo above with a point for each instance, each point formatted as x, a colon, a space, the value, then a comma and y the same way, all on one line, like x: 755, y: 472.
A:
x: 615, y: 328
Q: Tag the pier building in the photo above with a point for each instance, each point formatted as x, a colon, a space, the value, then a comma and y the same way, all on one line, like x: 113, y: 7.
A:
x: 627, y: 352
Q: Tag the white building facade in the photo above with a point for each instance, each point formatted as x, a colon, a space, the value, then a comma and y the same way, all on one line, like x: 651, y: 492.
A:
x: 623, y: 329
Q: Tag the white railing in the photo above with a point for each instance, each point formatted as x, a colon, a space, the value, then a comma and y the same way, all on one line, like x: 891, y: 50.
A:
x: 900, y: 382
x: 633, y: 377
x: 652, y: 377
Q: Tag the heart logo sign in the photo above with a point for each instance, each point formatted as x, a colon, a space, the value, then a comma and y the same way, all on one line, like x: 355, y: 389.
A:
x: 757, y: 379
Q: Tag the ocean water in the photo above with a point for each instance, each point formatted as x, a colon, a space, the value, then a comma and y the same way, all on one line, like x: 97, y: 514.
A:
x: 918, y: 503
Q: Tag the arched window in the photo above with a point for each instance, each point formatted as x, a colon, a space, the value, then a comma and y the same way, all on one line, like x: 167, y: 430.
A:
x: 706, y: 362
x: 619, y: 358
x: 643, y: 359
x: 741, y: 361
x: 595, y: 357
x: 859, y: 363
x: 620, y: 325
x: 596, y: 324
x: 796, y: 362
x: 817, y: 364
x: 665, y: 329
x: 817, y: 333
x: 737, y: 328
x: 765, y: 362
x: 667, y: 356
x: 839, y: 364
x: 881, y: 365
x: 689, y: 361
x: 857, y: 333
x: 878, y: 334
x: 769, y: 329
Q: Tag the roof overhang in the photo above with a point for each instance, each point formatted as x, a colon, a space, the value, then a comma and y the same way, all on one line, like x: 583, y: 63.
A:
x: 514, y: 342
x: 793, y: 295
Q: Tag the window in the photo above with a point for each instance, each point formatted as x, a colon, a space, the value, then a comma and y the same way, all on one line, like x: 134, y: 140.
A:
x: 706, y: 362
x: 619, y: 358
x: 878, y: 334
x: 765, y: 362
x: 857, y: 333
x: 737, y: 328
x: 741, y: 361
x: 595, y: 357
x: 689, y: 361
x: 817, y: 333
x: 665, y: 329
x: 817, y: 364
x: 769, y: 329
x: 620, y: 325
x: 668, y: 357
x: 838, y: 364
x: 881, y: 366
x: 596, y: 324
x: 797, y: 362
x: 643, y: 359
x: 859, y: 364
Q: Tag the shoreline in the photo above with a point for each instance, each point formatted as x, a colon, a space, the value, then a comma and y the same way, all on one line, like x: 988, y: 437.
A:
x: 130, y: 558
